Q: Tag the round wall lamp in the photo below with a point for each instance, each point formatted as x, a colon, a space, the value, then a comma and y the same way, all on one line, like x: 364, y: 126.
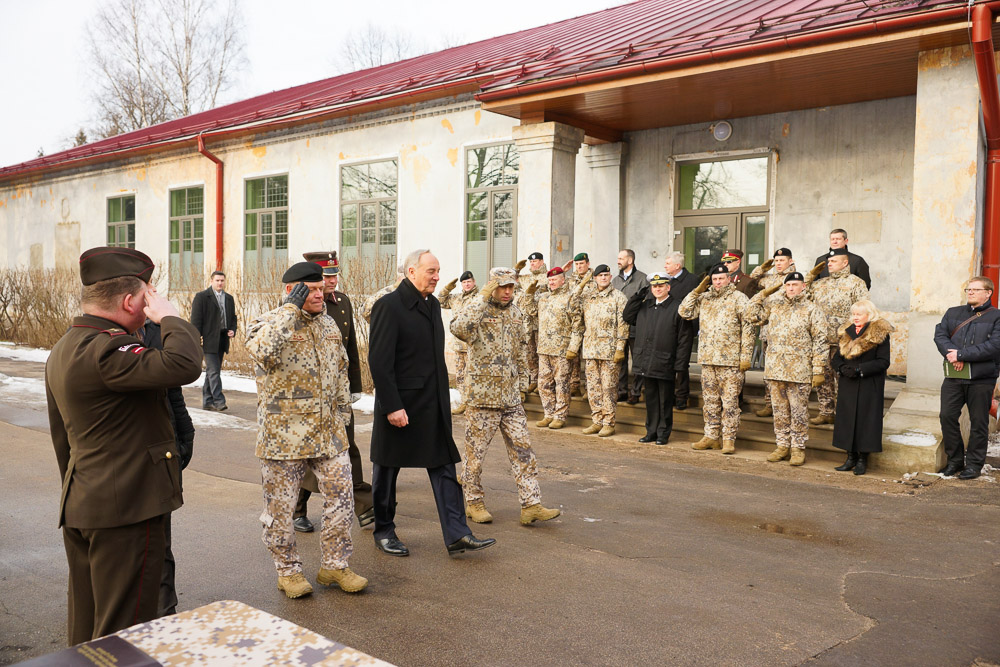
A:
x: 721, y: 130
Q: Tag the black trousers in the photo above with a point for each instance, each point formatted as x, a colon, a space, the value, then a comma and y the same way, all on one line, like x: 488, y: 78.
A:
x: 659, y: 408
x: 114, y: 577
x: 447, y: 496
x: 682, y: 388
x: 626, y: 388
x: 979, y: 398
x: 362, y: 489
x: 168, y: 590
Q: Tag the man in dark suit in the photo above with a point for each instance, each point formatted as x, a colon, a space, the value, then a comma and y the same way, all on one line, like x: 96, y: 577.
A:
x: 115, y: 447
x: 338, y: 306
x: 682, y: 281
x: 213, y: 314
x: 628, y: 281
x: 859, y: 267
x: 412, y: 427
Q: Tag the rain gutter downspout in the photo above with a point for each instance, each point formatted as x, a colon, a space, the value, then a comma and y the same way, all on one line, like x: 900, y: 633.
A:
x: 218, y: 201
x: 986, y: 70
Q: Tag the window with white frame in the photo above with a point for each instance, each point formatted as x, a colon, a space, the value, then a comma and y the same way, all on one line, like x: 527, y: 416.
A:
x: 265, y: 232
x: 368, y: 205
x: 187, y: 237
x: 121, y: 221
x: 490, y: 207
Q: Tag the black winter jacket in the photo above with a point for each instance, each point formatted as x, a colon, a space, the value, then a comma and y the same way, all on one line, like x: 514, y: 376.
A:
x: 662, y: 338
x: 978, y: 342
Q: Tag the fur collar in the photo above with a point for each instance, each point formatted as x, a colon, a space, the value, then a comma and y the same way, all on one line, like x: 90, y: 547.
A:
x: 870, y: 338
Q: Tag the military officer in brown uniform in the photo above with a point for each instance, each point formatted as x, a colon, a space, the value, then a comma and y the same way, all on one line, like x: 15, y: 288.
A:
x: 456, y: 302
x: 339, y: 307
x: 733, y: 260
x: 113, y: 440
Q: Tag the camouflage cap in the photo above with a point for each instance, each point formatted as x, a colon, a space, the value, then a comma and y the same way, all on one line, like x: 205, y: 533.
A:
x: 503, y: 276
x: 105, y: 263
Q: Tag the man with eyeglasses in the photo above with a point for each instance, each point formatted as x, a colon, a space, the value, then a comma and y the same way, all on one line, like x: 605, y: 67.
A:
x: 968, y: 337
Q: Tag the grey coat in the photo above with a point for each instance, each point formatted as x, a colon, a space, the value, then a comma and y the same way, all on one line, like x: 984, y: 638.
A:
x: 629, y: 286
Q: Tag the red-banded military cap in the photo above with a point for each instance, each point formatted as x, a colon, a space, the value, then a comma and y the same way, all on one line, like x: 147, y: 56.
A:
x: 326, y: 260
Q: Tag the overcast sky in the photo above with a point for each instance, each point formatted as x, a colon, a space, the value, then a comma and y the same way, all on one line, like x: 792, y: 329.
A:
x: 47, y: 85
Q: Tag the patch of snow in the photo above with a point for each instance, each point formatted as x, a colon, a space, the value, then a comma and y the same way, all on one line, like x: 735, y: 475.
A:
x: 19, y: 353
x: 993, y: 449
x: 208, y: 419
x: 231, y: 382
x: 589, y: 520
x: 913, y: 439
x: 366, y: 404
x: 27, y: 392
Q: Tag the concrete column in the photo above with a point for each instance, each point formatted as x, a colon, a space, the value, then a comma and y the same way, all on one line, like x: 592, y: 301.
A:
x: 944, y: 252
x: 546, y: 189
x: 600, y: 231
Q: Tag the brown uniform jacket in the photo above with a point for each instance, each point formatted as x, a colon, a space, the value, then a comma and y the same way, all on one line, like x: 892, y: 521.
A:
x: 342, y: 313
x: 108, y: 419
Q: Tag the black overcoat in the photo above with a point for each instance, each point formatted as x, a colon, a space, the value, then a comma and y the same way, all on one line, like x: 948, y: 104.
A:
x: 207, y: 319
x: 406, y: 357
x: 861, y: 361
x: 662, y: 337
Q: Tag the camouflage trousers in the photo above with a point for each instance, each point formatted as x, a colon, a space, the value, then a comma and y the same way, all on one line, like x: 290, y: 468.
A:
x: 532, y: 354
x: 827, y: 392
x: 553, y: 385
x: 720, y: 387
x: 460, y: 360
x: 791, y: 412
x: 577, y: 376
x: 481, y: 425
x: 602, y: 390
x: 280, y: 481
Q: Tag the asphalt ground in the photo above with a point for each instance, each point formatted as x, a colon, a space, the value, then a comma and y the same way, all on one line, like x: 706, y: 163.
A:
x: 662, y: 556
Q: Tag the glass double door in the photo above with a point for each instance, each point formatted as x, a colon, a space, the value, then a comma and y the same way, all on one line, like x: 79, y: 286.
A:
x: 704, y: 239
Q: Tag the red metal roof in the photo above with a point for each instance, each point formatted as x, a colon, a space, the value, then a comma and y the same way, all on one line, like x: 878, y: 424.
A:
x: 646, y: 30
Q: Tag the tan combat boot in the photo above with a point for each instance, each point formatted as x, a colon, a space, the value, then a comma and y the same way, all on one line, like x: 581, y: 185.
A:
x: 476, y: 510
x: 728, y: 446
x: 707, y: 443
x: 557, y: 423
x: 348, y: 581
x: 765, y: 411
x: 536, y: 512
x: 798, y: 456
x: 779, y: 454
x: 821, y: 419
x: 593, y: 428
x: 458, y: 410
x: 542, y: 423
x: 606, y: 430
x: 531, y: 387
x: 294, y: 585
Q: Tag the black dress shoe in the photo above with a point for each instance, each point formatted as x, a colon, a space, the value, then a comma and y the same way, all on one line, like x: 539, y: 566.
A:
x: 222, y: 408
x: 392, y: 546
x: 969, y: 473
x: 367, y: 517
x: 861, y: 467
x: 469, y: 543
x: 303, y: 525
x: 622, y: 397
x: 852, y: 460
x: 681, y: 405
x: 952, y: 468
x: 632, y: 400
x: 661, y: 442
x: 647, y: 438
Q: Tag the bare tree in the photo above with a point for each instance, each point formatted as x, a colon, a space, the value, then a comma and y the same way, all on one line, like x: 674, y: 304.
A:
x: 156, y: 61
x: 374, y: 46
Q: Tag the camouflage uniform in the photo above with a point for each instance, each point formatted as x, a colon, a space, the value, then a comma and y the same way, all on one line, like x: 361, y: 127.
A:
x: 796, y: 350
x: 366, y: 308
x: 766, y: 281
x: 725, y: 340
x: 604, y: 332
x: 495, y: 377
x: 531, y: 328
x: 577, y: 372
x: 303, y: 407
x: 456, y: 302
x: 555, y: 320
x: 834, y: 295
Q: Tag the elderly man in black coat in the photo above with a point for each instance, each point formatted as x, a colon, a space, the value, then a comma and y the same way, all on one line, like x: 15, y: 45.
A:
x: 412, y: 427
x: 662, y: 345
x: 682, y: 282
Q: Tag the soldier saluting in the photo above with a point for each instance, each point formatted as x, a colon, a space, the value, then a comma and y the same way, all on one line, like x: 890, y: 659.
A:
x: 456, y: 302
x: 113, y: 440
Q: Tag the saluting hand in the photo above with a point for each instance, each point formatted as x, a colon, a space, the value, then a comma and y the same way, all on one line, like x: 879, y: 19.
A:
x: 449, y: 287
x: 532, y: 288
x: 766, y: 266
x: 703, y: 285
x: 487, y: 291
x: 298, y: 295
x: 158, y: 307
x: 520, y: 265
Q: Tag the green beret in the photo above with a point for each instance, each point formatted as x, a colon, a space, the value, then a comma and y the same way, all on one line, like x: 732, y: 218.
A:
x: 581, y: 257
x: 105, y: 263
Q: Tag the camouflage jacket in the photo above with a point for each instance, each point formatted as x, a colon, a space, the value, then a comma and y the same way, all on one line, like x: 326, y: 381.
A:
x: 600, y: 319
x: 725, y: 337
x: 555, y: 319
x: 768, y: 280
x: 496, y: 370
x: 524, y: 280
x: 835, y: 295
x: 303, y: 390
x: 796, y: 344
x: 366, y: 309
x: 573, y: 279
x: 456, y: 301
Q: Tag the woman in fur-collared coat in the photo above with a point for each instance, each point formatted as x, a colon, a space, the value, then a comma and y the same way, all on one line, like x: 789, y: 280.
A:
x: 861, y: 360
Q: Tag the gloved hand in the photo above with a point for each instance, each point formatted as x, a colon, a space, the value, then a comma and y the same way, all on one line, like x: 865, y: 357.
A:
x: 449, y: 287
x: 590, y: 276
x: 570, y: 354
x: 744, y: 366
x: 520, y: 265
x: 771, y: 290
x: 816, y: 270
x: 643, y: 291
x: 703, y: 285
x: 524, y: 397
x: 619, y: 356
x: 532, y: 288
x: 817, y: 380
x: 766, y: 266
x: 298, y: 295
x: 487, y: 291
x: 848, y: 372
